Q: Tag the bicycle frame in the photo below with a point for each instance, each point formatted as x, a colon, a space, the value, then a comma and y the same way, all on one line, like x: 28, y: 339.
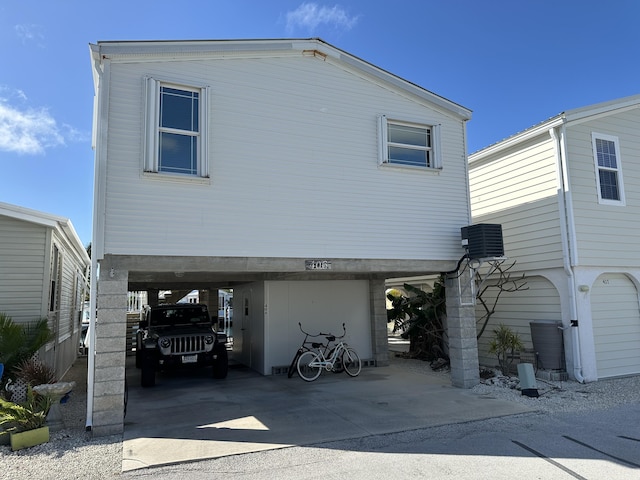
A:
x: 318, y: 347
x: 328, y: 363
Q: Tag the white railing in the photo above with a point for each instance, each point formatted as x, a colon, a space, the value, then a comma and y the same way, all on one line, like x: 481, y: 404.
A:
x: 135, y: 301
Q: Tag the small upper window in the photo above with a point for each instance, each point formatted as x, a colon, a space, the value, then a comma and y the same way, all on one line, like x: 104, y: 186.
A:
x: 176, y: 120
x: 408, y: 144
x: 608, y: 169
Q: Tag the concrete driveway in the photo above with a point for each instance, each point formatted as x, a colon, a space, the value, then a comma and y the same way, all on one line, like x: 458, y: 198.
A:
x: 191, y: 416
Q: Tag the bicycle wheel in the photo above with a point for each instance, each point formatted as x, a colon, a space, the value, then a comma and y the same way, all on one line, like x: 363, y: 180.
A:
x: 306, y: 372
x: 351, y: 362
x: 337, y: 365
x: 294, y: 364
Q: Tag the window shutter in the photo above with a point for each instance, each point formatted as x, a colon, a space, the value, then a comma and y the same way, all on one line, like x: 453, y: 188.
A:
x: 383, y: 152
x: 151, y: 124
x: 436, y: 146
x: 203, y: 164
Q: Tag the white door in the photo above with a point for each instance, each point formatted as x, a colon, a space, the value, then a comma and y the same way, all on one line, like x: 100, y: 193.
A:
x: 616, y: 325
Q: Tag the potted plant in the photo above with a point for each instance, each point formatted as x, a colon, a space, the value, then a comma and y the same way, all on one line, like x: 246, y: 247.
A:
x: 26, y: 422
x: 504, y: 345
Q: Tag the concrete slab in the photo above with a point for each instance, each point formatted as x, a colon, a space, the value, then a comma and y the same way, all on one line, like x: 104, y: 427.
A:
x: 191, y: 416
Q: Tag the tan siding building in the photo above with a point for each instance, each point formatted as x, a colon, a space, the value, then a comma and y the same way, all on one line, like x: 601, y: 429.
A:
x: 566, y: 194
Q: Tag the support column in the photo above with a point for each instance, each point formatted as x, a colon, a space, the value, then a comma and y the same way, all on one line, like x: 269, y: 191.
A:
x: 110, y: 356
x: 153, y: 297
x: 378, y: 312
x: 461, y: 330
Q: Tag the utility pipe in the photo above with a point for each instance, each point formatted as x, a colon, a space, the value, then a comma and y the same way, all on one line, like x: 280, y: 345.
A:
x: 567, y: 235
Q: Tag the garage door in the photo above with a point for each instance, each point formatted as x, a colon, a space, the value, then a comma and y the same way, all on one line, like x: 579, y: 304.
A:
x: 616, y: 325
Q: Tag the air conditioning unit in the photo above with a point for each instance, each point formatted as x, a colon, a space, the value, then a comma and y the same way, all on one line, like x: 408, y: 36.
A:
x: 483, y: 240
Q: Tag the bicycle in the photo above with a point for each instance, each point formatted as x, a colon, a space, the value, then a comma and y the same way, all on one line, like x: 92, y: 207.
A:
x: 310, y: 363
x: 314, y: 346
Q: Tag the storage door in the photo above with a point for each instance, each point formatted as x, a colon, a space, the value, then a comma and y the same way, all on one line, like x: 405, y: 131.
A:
x: 616, y: 325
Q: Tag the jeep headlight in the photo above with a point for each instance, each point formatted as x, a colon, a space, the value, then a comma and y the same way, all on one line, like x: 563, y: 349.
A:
x: 208, y: 339
x: 164, y: 342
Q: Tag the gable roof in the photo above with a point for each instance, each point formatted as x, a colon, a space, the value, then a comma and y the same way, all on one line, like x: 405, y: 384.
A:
x: 567, y: 117
x: 63, y: 225
x: 238, y: 48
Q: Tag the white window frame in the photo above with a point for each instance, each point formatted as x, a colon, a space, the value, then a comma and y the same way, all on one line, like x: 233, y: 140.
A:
x: 152, y: 128
x: 617, y: 170
x: 383, y: 143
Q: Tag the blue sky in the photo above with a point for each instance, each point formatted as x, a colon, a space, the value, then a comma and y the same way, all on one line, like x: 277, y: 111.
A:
x: 514, y: 63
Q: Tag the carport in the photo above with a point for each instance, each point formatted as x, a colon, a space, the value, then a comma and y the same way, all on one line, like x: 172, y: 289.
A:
x: 120, y: 274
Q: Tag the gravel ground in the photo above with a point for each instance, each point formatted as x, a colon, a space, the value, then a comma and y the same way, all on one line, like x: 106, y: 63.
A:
x: 72, y: 453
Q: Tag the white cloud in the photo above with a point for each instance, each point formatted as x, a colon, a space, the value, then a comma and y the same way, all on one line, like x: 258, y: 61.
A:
x: 30, y: 34
x: 310, y: 16
x: 28, y: 130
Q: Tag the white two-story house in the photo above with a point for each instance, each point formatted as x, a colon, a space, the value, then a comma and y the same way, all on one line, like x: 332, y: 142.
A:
x: 567, y: 193
x: 292, y: 172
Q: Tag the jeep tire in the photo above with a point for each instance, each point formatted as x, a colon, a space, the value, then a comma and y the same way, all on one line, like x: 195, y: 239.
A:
x: 221, y: 363
x: 148, y: 369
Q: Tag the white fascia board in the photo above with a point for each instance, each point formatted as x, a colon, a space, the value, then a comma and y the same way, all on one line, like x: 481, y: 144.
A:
x: 118, y: 50
x: 591, y: 112
x: 154, y: 50
x: 32, y: 216
x: 398, y: 82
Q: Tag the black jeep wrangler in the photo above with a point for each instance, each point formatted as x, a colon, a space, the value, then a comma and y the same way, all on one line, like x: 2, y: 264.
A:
x: 180, y: 334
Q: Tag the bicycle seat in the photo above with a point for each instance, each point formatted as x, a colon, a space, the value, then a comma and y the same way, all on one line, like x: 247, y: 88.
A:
x: 316, y: 345
x: 331, y: 338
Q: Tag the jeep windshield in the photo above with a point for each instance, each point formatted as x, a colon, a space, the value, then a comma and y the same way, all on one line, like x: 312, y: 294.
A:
x: 170, y: 317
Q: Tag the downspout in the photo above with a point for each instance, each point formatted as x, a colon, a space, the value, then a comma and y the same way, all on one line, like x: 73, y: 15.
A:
x: 568, y: 239
x: 97, y: 242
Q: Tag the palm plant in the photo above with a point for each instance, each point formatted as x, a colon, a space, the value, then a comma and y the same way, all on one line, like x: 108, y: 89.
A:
x: 19, y: 342
x: 504, y: 345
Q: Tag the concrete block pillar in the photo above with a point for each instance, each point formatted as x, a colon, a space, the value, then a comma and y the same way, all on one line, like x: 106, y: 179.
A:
x: 210, y: 298
x: 378, y: 312
x: 461, y: 330
x: 110, y: 356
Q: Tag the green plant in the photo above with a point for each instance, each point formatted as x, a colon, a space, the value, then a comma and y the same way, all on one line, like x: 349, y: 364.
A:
x: 19, y: 342
x: 420, y: 317
x: 504, y: 345
x: 20, y: 417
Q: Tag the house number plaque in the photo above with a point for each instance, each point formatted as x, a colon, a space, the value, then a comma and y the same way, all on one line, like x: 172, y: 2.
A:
x: 317, y: 265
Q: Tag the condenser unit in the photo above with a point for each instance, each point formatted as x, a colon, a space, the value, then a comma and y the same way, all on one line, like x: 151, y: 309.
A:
x: 483, y: 240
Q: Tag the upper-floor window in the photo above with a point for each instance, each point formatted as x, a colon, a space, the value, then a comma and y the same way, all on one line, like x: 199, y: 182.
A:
x: 606, y: 151
x: 409, y: 144
x: 176, y: 140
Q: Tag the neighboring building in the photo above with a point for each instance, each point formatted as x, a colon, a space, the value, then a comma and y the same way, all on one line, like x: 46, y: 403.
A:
x: 290, y: 171
x: 570, y: 220
x: 44, y: 273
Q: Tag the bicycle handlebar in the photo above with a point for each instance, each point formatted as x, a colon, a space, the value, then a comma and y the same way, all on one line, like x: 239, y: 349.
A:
x: 344, y: 332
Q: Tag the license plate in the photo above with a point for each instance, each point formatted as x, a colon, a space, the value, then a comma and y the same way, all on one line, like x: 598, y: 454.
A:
x: 190, y: 359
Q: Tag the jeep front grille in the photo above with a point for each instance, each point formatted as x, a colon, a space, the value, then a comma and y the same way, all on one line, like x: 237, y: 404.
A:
x: 187, y: 344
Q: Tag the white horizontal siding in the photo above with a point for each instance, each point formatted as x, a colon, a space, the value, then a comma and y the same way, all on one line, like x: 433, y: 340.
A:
x: 519, y: 191
x: 22, y: 256
x: 293, y: 163
x: 607, y: 234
